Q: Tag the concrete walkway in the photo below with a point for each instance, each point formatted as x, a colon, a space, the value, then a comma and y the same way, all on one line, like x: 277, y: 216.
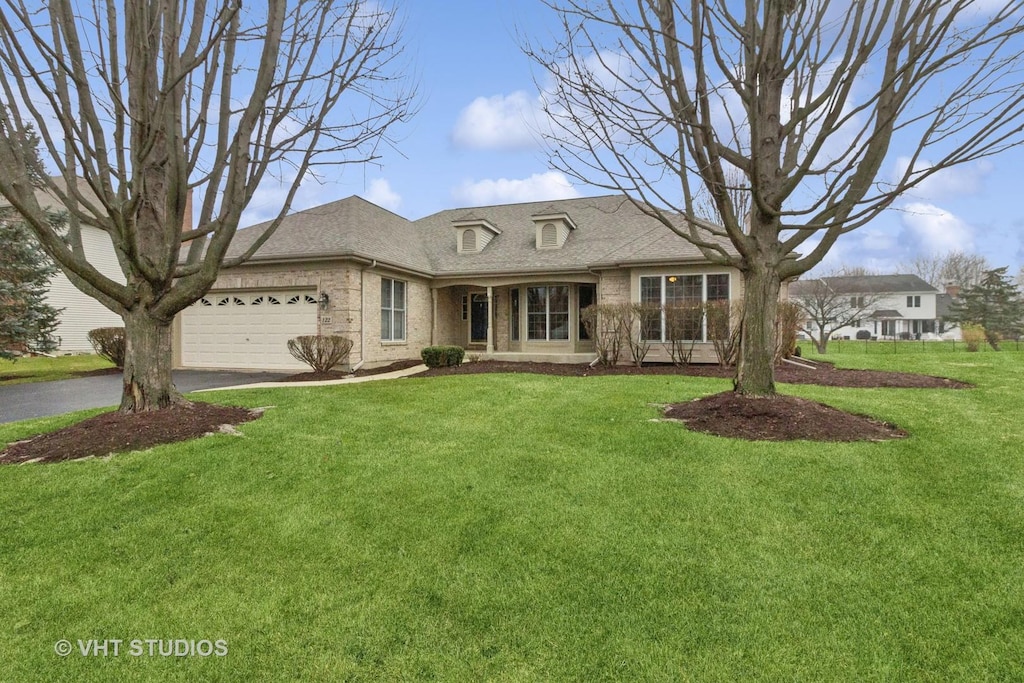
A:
x: 407, y: 372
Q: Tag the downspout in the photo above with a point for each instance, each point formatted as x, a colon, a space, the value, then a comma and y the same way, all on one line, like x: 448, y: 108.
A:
x: 362, y: 314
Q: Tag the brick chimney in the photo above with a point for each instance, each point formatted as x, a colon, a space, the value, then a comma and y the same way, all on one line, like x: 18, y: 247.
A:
x: 186, y: 225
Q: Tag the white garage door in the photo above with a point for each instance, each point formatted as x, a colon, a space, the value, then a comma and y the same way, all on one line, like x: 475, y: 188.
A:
x: 246, y: 329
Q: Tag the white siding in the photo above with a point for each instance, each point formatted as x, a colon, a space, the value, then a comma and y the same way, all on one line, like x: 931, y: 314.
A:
x: 81, y: 312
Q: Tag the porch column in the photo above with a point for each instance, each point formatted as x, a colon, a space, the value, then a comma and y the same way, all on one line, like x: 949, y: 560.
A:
x: 490, y: 327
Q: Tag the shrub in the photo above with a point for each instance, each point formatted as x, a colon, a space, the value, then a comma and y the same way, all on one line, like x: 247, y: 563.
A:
x: 320, y: 352
x: 973, y: 336
x: 682, y: 330
x: 109, y: 343
x: 863, y: 334
x: 639, y: 317
x: 606, y: 326
x: 723, y: 330
x: 442, y: 356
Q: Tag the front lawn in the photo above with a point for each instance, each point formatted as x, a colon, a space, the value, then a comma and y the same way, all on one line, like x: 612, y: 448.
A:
x: 43, y: 369
x: 527, y: 527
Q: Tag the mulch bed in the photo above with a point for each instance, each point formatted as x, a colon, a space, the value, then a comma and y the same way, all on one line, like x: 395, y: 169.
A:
x: 783, y: 418
x: 824, y: 374
x: 117, y: 432
x: 338, y: 374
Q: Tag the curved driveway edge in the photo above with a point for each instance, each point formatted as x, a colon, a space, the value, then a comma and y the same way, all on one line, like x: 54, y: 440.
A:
x: 46, y: 399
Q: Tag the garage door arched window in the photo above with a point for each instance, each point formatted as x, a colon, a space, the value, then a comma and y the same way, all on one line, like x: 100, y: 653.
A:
x: 392, y: 310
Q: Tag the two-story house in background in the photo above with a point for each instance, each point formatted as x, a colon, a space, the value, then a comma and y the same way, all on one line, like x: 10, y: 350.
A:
x: 900, y: 306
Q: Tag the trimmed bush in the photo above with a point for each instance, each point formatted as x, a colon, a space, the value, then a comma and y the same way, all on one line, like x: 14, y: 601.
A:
x: 443, y: 356
x: 109, y: 343
x: 863, y: 335
x: 320, y: 352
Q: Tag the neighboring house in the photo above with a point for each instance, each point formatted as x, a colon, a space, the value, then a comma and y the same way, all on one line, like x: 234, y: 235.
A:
x: 905, y: 307
x: 505, y: 282
x: 79, y: 311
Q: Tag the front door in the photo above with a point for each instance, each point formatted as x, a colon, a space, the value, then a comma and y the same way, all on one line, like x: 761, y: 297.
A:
x: 478, y: 318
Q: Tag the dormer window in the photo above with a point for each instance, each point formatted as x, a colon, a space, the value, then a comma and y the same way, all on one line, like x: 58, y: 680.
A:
x: 474, y: 234
x: 553, y: 229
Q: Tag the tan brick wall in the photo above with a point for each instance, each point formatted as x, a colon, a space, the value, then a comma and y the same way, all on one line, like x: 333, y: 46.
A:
x: 450, y: 330
x: 419, y: 312
x: 614, y: 287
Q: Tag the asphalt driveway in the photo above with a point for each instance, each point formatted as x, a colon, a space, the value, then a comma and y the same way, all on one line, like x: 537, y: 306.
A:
x: 43, y: 399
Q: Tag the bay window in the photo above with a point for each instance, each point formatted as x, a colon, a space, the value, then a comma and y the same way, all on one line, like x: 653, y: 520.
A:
x: 547, y: 313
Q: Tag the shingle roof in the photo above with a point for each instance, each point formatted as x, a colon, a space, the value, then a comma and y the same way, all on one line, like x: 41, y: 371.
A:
x: 611, y: 231
x: 865, y: 284
x: 942, y: 304
x: 885, y: 314
x: 347, y: 227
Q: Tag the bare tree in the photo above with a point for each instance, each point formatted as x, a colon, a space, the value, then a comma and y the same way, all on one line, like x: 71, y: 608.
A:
x: 142, y: 106
x: 953, y: 268
x: 812, y: 101
x: 826, y: 308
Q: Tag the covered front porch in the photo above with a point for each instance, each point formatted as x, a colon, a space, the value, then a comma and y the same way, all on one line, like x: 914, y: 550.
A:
x: 523, y: 319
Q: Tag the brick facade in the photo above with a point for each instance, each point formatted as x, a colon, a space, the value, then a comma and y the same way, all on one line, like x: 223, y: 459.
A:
x: 354, y: 311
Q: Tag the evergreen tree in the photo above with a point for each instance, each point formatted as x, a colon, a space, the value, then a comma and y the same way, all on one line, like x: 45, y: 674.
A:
x: 27, y: 321
x: 995, y: 304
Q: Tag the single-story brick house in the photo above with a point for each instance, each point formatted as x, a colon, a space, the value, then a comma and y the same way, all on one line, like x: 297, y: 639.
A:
x: 505, y: 282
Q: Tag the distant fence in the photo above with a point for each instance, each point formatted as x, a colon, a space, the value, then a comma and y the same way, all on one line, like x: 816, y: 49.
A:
x: 866, y: 346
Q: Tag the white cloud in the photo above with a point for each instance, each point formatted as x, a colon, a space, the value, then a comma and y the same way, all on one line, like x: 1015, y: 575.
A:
x: 948, y: 182
x: 502, y: 122
x: 380, y: 193
x: 270, y: 195
x: 929, y: 229
x: 538, y: 187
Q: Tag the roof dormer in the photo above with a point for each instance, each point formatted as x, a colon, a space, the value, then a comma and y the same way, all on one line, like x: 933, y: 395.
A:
x: 473, y: 235
x: 552, y: 229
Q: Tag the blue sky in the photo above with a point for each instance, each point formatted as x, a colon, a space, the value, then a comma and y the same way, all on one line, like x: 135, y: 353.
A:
x: 470, y: 144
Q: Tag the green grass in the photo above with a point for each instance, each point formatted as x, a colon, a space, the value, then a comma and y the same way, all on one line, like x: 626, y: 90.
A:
x: 521, y: 528
x: 42, y: 369
x: 901, y: 348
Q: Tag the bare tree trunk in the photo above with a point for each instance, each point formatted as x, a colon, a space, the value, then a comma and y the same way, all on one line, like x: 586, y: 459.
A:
x: 147, y: 364
x: 755, y: 374
x: 821, y: 343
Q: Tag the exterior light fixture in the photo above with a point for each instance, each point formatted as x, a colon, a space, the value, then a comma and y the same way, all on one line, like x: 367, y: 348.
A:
x: 324, y: 300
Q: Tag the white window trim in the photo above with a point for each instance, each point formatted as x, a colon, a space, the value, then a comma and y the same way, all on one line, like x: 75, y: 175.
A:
x: 703, y: 299
x: 392, y: 311
x: 547, y: 313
